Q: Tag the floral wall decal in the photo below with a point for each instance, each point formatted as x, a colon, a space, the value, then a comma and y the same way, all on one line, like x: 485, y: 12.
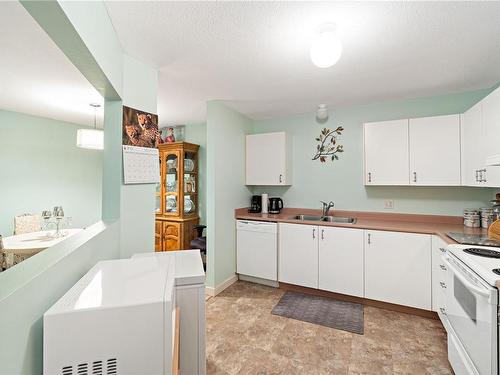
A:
x: 328, y: 146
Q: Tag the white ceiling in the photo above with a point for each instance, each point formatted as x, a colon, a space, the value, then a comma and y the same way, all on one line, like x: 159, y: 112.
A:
x: 256, y: 54
x: 35, y: 76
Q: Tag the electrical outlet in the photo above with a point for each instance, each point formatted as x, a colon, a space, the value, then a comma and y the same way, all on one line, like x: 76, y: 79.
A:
x: 389, y: 205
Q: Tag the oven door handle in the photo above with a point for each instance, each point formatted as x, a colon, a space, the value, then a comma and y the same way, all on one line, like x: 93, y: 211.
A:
x: 466, y: 282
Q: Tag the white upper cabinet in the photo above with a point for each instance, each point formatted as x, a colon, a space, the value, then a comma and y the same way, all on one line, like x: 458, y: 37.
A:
x: 341, y: 260
x: 435, y: 151
x: 491, y: 124
x: 490, y: 176
x: 418, y: 152
x: 472, y: 155
x: 386, y: 153
x: 491, y: 133
x: 480, y: 132
x: 452, y: 150
x: 268, y: 159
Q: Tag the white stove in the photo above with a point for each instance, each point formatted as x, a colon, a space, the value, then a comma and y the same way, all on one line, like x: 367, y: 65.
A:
x: 471, y: 308
x: 481, y: 265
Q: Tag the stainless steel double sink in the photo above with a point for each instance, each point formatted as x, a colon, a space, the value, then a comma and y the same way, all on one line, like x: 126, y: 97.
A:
x: 329, y: 219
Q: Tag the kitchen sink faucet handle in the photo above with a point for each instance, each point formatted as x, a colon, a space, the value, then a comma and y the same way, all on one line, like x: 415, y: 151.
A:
x: 326, y: 207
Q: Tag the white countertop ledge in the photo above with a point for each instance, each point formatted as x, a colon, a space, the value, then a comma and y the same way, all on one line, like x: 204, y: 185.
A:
x: 143, y: 279
x: 188, y: 265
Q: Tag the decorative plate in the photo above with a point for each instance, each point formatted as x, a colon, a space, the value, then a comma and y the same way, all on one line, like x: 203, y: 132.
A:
x: 188, y: 165
x: 188, y: 205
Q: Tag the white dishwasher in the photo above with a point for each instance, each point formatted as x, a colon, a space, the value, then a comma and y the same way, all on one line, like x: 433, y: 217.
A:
x: 257, y: 249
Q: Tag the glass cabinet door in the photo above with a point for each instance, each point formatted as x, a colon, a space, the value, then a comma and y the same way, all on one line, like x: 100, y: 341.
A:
x: 190, y: 183
x: 171, y: 183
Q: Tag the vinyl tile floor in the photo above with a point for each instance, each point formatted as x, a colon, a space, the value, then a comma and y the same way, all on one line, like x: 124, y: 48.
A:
x: 243, y: 337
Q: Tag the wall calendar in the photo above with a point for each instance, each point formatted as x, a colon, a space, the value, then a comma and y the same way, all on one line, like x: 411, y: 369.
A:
x: 140, y: 165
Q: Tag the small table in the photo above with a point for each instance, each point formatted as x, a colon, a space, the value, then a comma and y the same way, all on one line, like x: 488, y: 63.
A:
x: 21, y: 246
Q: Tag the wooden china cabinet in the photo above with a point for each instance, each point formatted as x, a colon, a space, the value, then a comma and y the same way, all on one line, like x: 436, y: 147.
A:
x: 176, y: 196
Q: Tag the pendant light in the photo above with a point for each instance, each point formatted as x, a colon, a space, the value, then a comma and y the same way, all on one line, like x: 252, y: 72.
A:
x: 91, y: 138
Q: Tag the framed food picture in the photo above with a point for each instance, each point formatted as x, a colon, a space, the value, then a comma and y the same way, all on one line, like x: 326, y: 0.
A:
x: 140, y: 128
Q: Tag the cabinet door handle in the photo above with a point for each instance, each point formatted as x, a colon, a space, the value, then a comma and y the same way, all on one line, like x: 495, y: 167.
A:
x: 443, y: 285
x: 314, y: 232
x: 369, y: 238
x: 322, y: 234
x: 481, y: 175
x: 414, y: 176
x: 443, y: 267
x: 442, y: 249
x: 443, y: 310
x: 369, y: 177
x: 281, y: 178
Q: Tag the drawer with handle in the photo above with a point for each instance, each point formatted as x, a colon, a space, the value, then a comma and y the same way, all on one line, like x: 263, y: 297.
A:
x: 439, y: 275
x: 438, y: 265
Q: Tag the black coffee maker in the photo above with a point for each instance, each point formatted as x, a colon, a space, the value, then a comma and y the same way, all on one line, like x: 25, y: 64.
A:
x: 275, y: 205
x: 255, y: 204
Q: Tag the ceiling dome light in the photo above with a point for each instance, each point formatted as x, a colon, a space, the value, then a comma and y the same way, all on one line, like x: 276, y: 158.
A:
x: 326, y: 48
x: 322, y: 112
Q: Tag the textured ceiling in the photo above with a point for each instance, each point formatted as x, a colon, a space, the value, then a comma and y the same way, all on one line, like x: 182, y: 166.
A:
x: 255, y: 55
x: 35, y: 76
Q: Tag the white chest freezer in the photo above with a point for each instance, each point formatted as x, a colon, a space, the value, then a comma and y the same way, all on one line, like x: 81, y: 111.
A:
x: 118, y: 319
x: 190, y: 298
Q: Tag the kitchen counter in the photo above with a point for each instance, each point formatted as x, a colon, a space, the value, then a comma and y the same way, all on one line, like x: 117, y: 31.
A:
x: 412, y: 223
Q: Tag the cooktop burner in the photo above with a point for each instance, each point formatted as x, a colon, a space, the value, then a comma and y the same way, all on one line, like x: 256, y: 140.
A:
x: 497, y: 271
x: 483, y: 252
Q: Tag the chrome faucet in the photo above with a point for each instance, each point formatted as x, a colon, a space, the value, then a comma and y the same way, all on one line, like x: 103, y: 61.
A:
x: 326, y: 207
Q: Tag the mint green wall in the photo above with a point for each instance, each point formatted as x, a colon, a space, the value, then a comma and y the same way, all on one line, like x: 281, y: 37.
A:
x: 41, y: 167
x: 342, y: 180
x: 91, y: 21
x: 112, y: 160
x: 226, y: 188
x: 30, y: 288
x: 140, y: 90
x: 23, y: 301
x: 197, y: 134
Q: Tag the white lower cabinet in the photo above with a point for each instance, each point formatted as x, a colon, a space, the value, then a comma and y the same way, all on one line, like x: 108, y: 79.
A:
x: 394, y: 267
x: 341, y: 260
x: 439, y: 276
x: 298, y: 254
x: 398, y: 268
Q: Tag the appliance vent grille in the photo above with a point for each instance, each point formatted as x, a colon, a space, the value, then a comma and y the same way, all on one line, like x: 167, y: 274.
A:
x: 83, y: 369
x: 111, y: 366
x: 97, y: 368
